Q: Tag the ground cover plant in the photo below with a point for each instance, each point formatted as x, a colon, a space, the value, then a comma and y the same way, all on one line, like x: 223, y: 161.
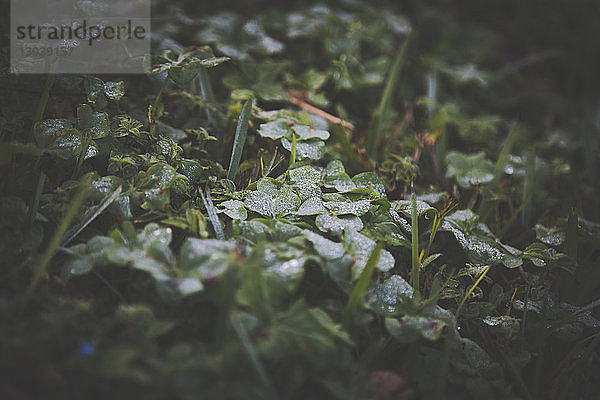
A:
x: 325, y: 201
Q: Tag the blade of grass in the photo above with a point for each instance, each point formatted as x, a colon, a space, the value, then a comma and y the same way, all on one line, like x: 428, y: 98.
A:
x: 253, y: 356
x: 212, y: 214
x: 240, y: 140
x: 351, y: 160
x: 571, y: 239
x: 414, y: 274
x: 71, y: 212
x: 39, y: 112
x: 436, y: 293
x: 90, y: 216
x: 271, y: 164
x: 386, y: 100
x: 471, y: 290
x: 505, y: 150
x: 293, y: 155
x: 152, y: 109
x: 206, y: 92
x: 361, y: 285
x: 38, y: 193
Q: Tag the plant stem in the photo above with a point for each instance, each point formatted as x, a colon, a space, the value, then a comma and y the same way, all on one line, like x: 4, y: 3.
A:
x: 40, y: 268
x: 361, y: 285
x: 471, y: 290
x: 414, y: 275
x: 386, y: 100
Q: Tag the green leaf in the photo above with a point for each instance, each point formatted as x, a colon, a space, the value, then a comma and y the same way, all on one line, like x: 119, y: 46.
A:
x: 307, y: 181
x: 254, y: 231
x: 208, y: 258
x: 313, y: 149
x: 554, y: 236
x: 404, y: 207
x: 47, y: 131
x: 410, y: 328
x: 285, y: 202
x: 275, y: 129
x: 370, y: 181
x: 360, y: 247
x: 340, y: 182
x: 114, y: 90
x: 269, y: 186
x: 193, y: 170
x: 261, y: 203
x: 326, y: 248
x: 482, y: 247
x: 67, y: 146
x: 234, y: 209
x: 312, y: 206
x: 361, y: 285
x: 93, y: 124
x: 304, y: 132
x: 389, y: 296
x: 331, y: 224
x: 470, y: 170
x: 357, y: 208
x: 158, y: 176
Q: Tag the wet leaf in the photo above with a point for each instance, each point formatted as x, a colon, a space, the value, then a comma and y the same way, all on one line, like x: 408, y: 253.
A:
x: 93, y: 124
x: 114, y: 90
x: 158, y: 176
x: 313, y: 149
x: 553, y: 236
x: 331, y: 224
x: 470, y: 170
x: 360, y: 247
x: 404, y: 207
x: 482, y: 247
x: 254, y: 231
x: 269, y: 186
x: 304, y: 132
x: 307, y: 181
x: 357, y: 208
x: 340, y: 182
x: 261, y: 203
x: 370, y: 181
x: 312, y: 206
x: 285, y: 202
x: 234, y: 209
x: 326, y: 248
x: 275, y: 129
x: 208, y: 258
x: 387, y: 297
x: 409, y: 328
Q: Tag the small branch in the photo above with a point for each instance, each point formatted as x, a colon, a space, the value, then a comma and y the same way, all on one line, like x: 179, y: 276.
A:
x: 309, y: 108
